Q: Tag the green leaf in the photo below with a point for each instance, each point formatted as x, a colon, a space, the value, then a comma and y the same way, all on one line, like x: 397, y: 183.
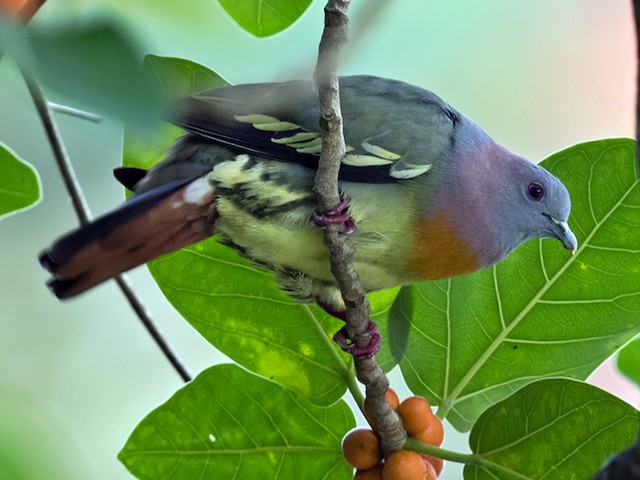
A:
x: 179, y: 77
x: 228, y: 423
x: 469, y: 342
x: 629, y: 361
x: 263, y: 18
x: 98, y: 64
x: 19, y: 183
x: 240, y: 310
x: 551, y: 429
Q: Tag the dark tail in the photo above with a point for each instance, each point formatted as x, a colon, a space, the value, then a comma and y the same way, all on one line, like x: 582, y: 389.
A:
x: 160, y: 221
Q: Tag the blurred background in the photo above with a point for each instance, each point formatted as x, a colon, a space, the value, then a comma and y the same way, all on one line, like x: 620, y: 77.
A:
x: 76, y: 377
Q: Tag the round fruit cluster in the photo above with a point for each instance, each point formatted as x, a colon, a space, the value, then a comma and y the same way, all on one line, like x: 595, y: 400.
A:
x: 361, y: 447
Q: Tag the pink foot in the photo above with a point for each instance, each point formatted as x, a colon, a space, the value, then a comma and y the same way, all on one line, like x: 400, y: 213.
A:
x: 368, y: 351
x: 337, y: 215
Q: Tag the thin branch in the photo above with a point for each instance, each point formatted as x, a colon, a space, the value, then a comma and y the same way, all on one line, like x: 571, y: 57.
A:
x: 74, y: 112
x: 59, y: 151
x: 84, y: 215
x: 391, y: 431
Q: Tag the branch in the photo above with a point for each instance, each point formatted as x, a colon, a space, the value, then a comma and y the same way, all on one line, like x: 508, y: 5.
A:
x: 84, y: 215
x: 74, y: 112
x: 391, y: 431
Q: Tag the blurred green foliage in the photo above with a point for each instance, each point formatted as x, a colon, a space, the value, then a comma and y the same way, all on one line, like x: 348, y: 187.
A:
x: 263, y: 18
x: 629, y: 361
x: 19, y: 183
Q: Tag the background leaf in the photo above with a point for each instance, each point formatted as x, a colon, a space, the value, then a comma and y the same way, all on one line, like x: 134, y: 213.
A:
x: 175, y: 78
x: 98, y: 64
x: 179, y: 77
x: 551, y: 429
x: 263, y: 18
x: 469, y: 342
x: 19, y: 183
x: 240, y: 310
x: 228, y: 423
x: 629, y: 361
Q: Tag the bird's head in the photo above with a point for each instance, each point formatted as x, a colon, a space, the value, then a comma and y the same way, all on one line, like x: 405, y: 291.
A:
x: 538, y: 205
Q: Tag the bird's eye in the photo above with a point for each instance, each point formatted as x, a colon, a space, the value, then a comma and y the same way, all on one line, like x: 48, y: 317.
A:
x: 535, y: 192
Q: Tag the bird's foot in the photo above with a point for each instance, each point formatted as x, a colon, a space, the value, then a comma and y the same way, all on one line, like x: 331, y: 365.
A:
x: 343, y: 340
x: 367, y: 351
x: 336, y: 216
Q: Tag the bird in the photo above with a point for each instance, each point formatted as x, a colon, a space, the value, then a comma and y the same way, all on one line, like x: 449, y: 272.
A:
x: 427, y: 193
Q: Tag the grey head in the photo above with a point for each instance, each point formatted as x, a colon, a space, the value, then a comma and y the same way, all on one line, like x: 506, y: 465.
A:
x: 499, y: 199
x: 535, y: 204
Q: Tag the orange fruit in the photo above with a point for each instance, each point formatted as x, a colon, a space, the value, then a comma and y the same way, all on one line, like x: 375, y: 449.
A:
x: 361, y: 449
x: 404, y: 465
x: 416, y: 414
x: 433, y: 434
x: 436, y: 463
x: 431, y: 471
x: 374, y: 473
x: 392, y: 398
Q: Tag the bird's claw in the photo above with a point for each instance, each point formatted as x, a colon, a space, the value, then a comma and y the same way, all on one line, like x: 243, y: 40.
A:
x: 336, y: 216
x: 341, y: 337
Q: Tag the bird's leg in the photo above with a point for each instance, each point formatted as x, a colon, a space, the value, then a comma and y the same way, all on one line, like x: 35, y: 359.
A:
x: 342, y: 338
x: 337, y: 215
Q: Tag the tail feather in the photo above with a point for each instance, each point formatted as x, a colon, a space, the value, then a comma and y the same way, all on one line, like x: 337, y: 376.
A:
x: 157, y: 222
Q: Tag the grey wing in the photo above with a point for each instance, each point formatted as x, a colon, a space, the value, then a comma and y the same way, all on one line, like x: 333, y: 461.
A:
x: 393, y: 130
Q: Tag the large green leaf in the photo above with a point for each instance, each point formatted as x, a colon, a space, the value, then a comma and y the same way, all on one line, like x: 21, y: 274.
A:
x: 263, y: 18
x: 470, y: 341
x: 228, y: 423
x: 629, y: 361
x: 240, y: 310
x: 19, y: 183
x: 552, y: 429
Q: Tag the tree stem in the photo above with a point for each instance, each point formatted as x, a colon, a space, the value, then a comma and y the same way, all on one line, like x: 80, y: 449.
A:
x: 390, y: 429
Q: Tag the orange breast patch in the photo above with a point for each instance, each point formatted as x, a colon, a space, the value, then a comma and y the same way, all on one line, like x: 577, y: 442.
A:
x: 438, y: 251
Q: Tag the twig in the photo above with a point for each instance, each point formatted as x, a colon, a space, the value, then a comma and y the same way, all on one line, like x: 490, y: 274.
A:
x: 74, y: 112
x: 84, y: 215
x: 391, y: 431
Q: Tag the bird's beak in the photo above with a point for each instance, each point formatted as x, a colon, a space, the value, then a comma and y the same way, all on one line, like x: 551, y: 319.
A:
x: 563, y: 233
